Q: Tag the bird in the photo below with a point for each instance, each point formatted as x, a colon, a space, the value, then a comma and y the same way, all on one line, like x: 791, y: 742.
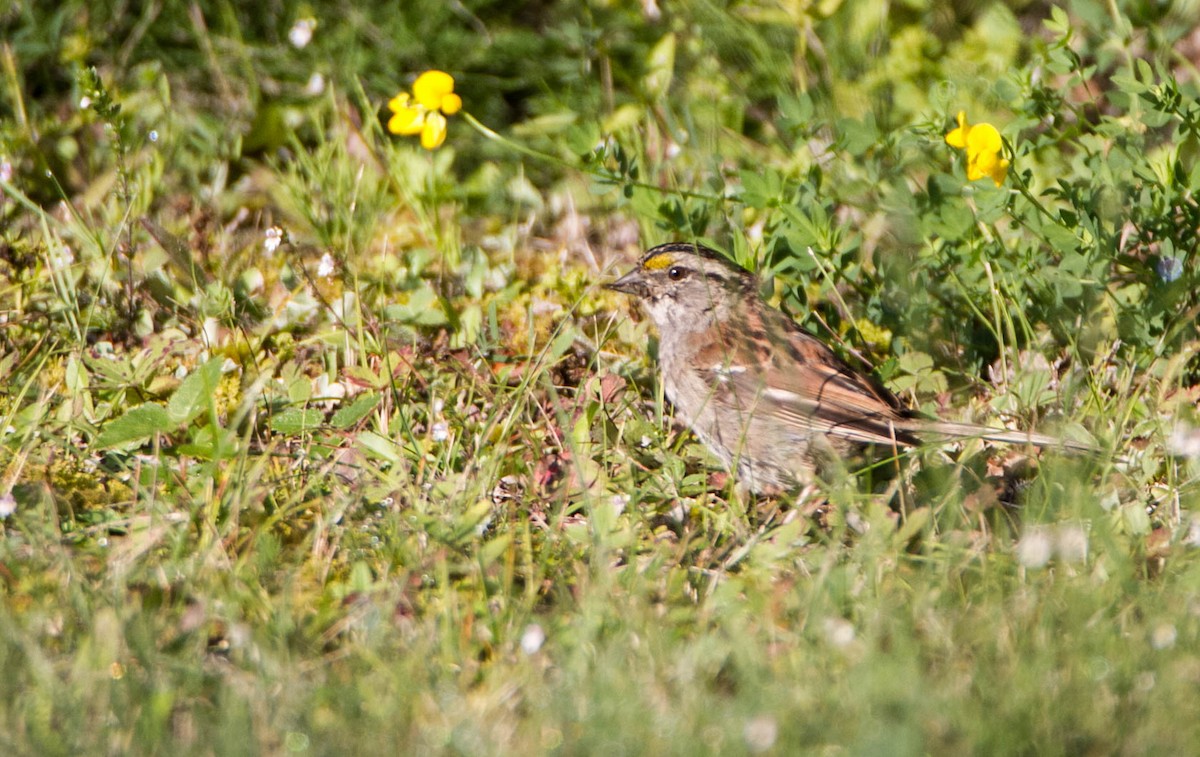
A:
x: 772, y: 401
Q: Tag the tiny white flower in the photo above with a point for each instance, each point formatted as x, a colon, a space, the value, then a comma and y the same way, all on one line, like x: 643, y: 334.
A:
x: 1192, y: 537
x: 1169, y: 268
x: 153, y: 135
x: 272, y: 238
x: 239, y: 635
x: 760, y: 733
x: 857, y: 523
x: 755, y: 232
x: 8, y: 505
x: 1184, y: 441
x: 619, y: 502
x: 482, y: 527
x: 211, y: 329
x: 301, y: 32
x: 438, y: 405
x: 325, y: 389
x: 325, y: 267
x: 1072, y: 546
x: 253, y: 280
x: 532, y: 639
x: 440, y: 431
x: 678, y: 514
x: 85, y: 102
x: 839, y: 632
x: 1035, y: 548
x: 63, y: 257
x: 316, y: 85
x: 1163, y: 636
x: 6, y: 171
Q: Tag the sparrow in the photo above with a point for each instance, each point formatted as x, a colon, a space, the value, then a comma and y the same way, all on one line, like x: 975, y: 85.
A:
x: 773, y: 402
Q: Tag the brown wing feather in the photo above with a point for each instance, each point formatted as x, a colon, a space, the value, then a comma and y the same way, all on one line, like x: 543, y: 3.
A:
x: 817, y: 392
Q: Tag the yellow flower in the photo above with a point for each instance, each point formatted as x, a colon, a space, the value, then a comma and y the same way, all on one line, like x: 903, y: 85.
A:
x: 421, y: 112
x: 983, y: 145
x: 434, y: 90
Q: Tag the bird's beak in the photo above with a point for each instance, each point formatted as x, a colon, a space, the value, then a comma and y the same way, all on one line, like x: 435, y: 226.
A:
x: 630, y: 283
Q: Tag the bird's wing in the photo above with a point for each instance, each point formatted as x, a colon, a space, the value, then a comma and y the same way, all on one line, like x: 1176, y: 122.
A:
x: 810, y: 388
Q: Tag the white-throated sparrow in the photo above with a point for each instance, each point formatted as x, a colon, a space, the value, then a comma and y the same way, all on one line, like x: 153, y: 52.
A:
x: 767, y: 397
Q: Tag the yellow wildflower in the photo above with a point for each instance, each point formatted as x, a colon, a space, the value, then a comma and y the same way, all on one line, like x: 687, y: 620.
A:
x: 983, y: 145
x: 422, y: 111
x: 435, y: 90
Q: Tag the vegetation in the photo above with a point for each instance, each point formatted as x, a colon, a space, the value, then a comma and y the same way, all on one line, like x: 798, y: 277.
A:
x: 317, y: 440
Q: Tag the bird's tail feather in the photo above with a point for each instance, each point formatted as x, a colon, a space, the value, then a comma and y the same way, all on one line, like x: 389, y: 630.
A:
x: 944, y: 431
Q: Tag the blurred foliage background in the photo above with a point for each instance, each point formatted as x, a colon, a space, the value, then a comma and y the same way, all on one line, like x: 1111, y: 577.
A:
x: 316, y: 440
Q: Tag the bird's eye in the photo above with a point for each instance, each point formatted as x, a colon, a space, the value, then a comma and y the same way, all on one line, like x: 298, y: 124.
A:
x: 676, y: 272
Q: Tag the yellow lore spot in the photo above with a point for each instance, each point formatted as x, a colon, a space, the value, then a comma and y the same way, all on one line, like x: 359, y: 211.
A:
x: 659, y: 261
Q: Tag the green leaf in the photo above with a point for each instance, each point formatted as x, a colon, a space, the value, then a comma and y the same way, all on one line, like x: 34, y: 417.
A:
x: 139, y: 424
x: 297, y: 421
x: 1130, y: 84
x: 1060, y: 237
x: 762, y: 188
x: 491, y: 551
x: 1145, y: 72
x: 470, y: 523
x: 77, y: 377
x: 954, y: 220
x: 661, y: 67
x: 422, y: 309
x: 797, y: 109
x: 917, y: 370
x: 562, y: 343
x: 914, y: 523
x: 470, y: 323
x: 379, y: 446
x: 1059, y: 22
x: 1136, y: 519
x: 210, y: 443
x: 857, y: 136
x: 347, y: 416
x: 195, y: 394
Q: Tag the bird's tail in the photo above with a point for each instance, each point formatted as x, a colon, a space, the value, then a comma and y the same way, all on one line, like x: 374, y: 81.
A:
x: 945, y: 431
